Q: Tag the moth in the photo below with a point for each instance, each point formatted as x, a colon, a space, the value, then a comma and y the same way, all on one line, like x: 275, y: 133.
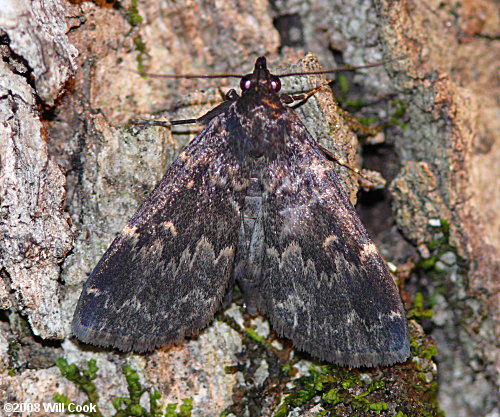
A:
x: 252, y: 200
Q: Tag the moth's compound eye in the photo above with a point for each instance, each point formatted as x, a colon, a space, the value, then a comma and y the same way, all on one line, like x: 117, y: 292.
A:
x: 246, y: 83
x: 276, y: 84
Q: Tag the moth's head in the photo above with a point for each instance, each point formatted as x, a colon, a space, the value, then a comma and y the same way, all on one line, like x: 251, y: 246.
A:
x: 260, y: 79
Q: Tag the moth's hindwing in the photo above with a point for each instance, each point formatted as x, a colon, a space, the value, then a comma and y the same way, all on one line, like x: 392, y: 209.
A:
x: 325, y: 285
x: 165, y: 275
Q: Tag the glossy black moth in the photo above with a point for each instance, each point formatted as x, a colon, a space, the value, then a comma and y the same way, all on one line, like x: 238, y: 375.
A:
x: 253, y: 200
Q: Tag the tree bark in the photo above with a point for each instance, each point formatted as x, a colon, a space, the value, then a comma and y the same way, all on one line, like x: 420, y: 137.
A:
x: 73, y: 172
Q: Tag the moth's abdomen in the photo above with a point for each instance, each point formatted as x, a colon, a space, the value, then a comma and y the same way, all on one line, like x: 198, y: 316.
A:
x: 250, y: 249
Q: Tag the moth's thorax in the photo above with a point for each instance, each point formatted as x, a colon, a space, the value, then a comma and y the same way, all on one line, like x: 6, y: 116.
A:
x: 260, y: 94
x: 263, y: 119
x: 261, y: 101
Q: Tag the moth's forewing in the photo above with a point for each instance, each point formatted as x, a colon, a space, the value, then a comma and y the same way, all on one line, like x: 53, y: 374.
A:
x: 165, y: 275
x: 325, y: 285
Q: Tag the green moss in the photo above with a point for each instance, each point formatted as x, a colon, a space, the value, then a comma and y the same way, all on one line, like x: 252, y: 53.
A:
x: 343, y: 83
x: 337, y: 391
x: 353, y: 104
x: 184, y: 411
x: 423, y: 378
x: 429, y: 352
x: 422, y: 350
x: 124, y: 406
x: 367, y: 121
x: 378, y: 407
x: 399, y: 109
x: 438, y: 247
x: 428, y: 263
x: 84, y: 380
x: 140, y: 46
x: 335, y: 386
x: 398, y: 114
x: 252, y: 334
x: 418, y: 312
x: 133, y: 17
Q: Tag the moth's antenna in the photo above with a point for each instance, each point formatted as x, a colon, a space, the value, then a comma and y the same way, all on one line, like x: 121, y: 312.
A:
x: 144, y: 122
x: 342, y: 162
x: 338, y: 69
x: 187, y: 76
x: 290, y: 74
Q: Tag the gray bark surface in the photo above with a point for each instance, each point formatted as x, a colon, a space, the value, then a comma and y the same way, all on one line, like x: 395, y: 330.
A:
x: 72, y: 172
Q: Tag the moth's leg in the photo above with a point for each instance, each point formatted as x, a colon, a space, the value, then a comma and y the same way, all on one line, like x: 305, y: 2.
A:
x: 230, y: 97
x: 355, y: 124
x: 289, y: 99
x: 145, y: 122
x: 332, y: 157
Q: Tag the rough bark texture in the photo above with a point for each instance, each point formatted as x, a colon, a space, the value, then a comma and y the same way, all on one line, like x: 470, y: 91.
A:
x: 72, y: 172
x: 35, y: 230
